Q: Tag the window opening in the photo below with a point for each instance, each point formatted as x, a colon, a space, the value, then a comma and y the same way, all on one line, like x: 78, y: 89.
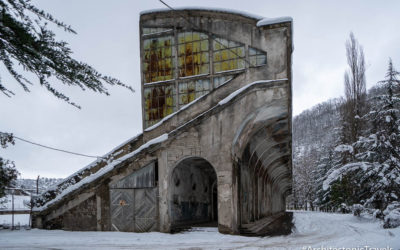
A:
x: 191, y: 90
x: 160, y: 101
x: 158, y: 63
x: 257, y: 57
x: 193, y: 56
x: 228, y: 55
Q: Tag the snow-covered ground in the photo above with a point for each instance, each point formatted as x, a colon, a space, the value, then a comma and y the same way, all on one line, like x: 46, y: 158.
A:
x: 313, y: 229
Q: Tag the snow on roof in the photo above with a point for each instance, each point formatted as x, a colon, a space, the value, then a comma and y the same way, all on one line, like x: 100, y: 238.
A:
x: 268, y: 21
x: 106, y: 169
x: 262, y: 21
x: 223, y: 10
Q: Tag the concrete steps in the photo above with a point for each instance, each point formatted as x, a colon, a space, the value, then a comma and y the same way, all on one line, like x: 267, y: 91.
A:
x: 276, y: 224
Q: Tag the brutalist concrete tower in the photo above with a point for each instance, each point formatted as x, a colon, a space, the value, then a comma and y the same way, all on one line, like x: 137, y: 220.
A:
x: 216, y: 145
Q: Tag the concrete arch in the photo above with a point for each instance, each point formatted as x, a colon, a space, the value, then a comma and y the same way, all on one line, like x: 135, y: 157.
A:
x: 265, y: 116
x: 261, y: 149
x: 192, y: 198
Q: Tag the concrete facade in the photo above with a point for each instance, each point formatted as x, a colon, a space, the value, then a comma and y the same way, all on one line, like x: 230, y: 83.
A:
x: 217, y: 151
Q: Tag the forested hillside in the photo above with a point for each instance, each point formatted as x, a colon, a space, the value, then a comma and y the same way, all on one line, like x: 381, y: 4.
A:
x: 30, y: 184
x: 314, y: 134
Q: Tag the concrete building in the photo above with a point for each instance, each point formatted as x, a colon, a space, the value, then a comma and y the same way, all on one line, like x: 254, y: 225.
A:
x: 216, y: 145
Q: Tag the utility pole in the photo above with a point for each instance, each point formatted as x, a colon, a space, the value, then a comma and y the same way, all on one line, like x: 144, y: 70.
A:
x: 37, y: 184
x: 30, y: 213
x: 12, y: 209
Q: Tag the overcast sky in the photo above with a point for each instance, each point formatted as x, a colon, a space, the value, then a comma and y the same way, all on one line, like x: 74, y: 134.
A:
x: 108, y: 40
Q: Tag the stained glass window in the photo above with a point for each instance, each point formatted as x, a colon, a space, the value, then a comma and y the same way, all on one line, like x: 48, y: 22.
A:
x: 193, y: 56
x: 191, y: 90
x: 160, y: 101
x: 158, y: 63
x: 228, y: 55
x: 189, y: 53
x: 257, y: 57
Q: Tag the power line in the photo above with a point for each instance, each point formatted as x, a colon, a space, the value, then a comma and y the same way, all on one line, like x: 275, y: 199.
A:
x: 212, y: 35
x: 60, y: 150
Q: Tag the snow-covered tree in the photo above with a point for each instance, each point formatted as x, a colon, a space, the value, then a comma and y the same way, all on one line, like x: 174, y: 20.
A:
x: 352, y: 109
x: 314, y: 134
x: 374, y: 174
x: 8, y: 173
x: 27, y: 40
x: 28, y: 44
x: 355, y: 105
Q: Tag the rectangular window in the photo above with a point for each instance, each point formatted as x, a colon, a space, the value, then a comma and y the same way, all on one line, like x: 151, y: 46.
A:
x: 193, y: 56
x: 218, y: 81
x: 191, y: 90
x: 257, y: 57
x: 158, y: 62
x: 160, y: 101
x: 228, y: 55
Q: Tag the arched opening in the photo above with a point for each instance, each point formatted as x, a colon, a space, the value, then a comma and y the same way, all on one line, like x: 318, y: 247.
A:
x: 262, y: 151
x: 193, y: 198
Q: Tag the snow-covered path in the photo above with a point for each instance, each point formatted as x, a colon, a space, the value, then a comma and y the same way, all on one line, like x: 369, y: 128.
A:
x: 312, y: 229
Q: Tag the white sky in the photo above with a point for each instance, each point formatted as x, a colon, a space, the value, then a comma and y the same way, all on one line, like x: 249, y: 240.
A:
x: 108, y: 40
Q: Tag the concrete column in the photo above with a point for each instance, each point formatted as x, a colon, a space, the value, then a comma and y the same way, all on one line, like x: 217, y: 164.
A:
x: 163, y: 176
x: 38, y: 222
x: 98, y: 212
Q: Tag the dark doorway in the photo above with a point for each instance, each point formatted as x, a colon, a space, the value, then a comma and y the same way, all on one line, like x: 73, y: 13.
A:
x: 193, y: 196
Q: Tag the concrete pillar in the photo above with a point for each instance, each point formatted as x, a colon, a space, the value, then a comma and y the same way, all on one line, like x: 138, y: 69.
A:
x: 98, y: 212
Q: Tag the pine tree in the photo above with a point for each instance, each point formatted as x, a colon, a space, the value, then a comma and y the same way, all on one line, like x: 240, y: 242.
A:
x: 374, y: 174
x: 27, y: 41
x: 386, y: 142
x: 324, y: 164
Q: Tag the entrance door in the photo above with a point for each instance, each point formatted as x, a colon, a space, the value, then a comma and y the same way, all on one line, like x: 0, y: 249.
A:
x: 122, y: 210
x: 133, y: 201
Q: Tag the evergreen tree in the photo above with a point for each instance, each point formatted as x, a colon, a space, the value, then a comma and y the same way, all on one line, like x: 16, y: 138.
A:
x: 374, y: 174
x: 27, y: 41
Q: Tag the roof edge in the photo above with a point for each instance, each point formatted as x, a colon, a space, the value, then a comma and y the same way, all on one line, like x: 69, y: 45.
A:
x: 268, y: 21
x: 197, y: 8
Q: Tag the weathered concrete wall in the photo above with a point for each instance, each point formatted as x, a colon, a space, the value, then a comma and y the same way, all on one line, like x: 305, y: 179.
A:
x: 82, y: 217
x: 212, y: 139
x: 275, y: 41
